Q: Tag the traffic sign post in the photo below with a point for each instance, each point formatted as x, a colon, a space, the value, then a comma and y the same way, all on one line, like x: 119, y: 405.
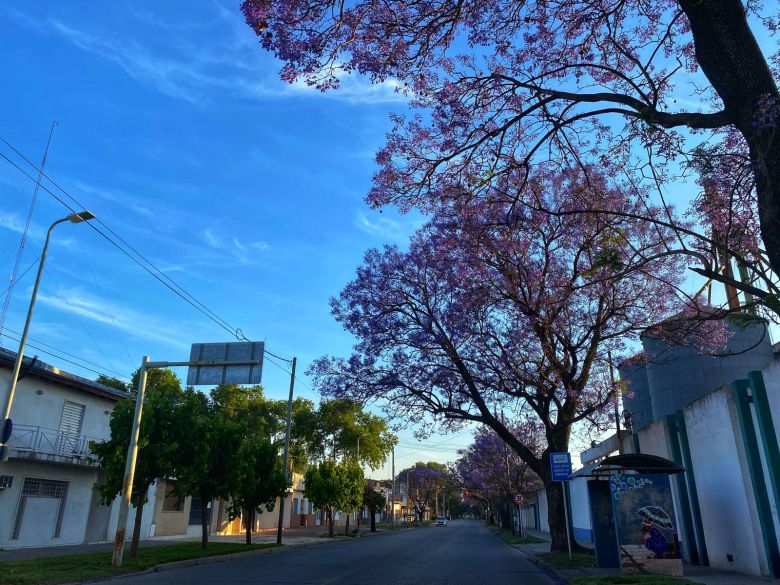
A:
x: 519, y: 503
x: 560, y: 470
x: 248, y: 372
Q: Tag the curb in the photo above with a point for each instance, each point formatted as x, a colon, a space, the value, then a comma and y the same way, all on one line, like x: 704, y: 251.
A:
x: 210, y: 560
x: 550, y: 571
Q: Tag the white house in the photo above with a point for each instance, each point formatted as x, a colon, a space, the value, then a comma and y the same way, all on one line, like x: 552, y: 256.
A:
x: 48, y: 493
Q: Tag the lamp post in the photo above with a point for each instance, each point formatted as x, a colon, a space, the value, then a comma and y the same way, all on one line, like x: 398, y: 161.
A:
x: 7, y: 427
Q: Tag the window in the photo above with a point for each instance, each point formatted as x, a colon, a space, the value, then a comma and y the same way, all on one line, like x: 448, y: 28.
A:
x: 311, y: 507
x: 70, y: 427
x: 295, y: 505
x: 41, y: 488
x: 172, y: 502
x: 6, y: 481
x: 195, y: 511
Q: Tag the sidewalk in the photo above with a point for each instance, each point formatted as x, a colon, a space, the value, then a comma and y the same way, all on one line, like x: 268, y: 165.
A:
x: 704, y: 575
x: 290, y: 537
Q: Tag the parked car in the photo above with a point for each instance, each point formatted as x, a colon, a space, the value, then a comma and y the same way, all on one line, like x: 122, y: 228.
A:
x: 441, y: 521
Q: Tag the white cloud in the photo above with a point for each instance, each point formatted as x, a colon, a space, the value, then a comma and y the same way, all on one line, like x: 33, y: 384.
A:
x: 230, y: 63
x: 11, y: 221
x: 386, y: 227
x: 241, y: 252
x: 140, y: 325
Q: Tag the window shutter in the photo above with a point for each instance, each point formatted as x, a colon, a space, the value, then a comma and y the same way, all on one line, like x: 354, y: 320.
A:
x: 72, y: 418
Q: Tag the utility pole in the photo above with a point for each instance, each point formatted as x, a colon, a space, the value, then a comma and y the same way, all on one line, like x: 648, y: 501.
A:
x: 132, y: 455
x: 392, y: 493
x: 359, y: 512
x: 408, y: 499
x: 286, y: 450
x: 617, y: 398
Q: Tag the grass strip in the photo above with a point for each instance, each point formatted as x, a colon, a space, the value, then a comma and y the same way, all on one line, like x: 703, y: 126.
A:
x: 508, y: 537
x: 629, y: 580
x: 82, y: 567
x: 560, y: 560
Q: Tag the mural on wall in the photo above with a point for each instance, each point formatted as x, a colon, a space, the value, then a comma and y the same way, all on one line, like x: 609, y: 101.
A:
x: 644, y: 516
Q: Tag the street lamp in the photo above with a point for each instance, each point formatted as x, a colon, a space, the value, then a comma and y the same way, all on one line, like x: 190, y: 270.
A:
x: 7, y: 427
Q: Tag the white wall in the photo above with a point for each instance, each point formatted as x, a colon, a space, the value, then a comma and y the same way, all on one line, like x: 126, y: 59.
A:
x: 45, y: 409
x: 147, y: 516
x: 38, y: 524
x: 580, y: 509
x: 725, y: 499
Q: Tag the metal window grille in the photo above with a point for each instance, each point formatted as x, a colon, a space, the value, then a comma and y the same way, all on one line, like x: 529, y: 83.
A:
x: 6, y: 481
x: 41, y: 488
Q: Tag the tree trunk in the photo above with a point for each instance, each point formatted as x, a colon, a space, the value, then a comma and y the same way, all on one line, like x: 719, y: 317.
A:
x: 139, y: 498
x: 330, y: 521
x: 250, y: 524
x: 506, y: 516
x: 373, y: 519
x: 346, y: 525
x: 731, y: 58
x: 204, y: 522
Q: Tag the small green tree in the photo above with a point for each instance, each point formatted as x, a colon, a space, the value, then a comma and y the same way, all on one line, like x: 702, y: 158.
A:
x: 352, y: 485
x: 157, y: 445
x: 374, y: 500
x: 323, y: 487
x: 261, y: 479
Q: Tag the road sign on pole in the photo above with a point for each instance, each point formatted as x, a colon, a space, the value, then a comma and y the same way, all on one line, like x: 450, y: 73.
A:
x: 233, y: 366
x: 229, y: 371
x: 560, y: 466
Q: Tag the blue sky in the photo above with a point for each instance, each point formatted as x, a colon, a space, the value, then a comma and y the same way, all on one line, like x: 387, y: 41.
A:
x: 175, y: 130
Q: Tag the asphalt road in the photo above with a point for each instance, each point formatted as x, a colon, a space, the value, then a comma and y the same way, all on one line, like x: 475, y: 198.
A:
x: 463, y: 553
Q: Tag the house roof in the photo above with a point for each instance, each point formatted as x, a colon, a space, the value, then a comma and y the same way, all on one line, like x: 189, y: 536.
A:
x: 48, y: 372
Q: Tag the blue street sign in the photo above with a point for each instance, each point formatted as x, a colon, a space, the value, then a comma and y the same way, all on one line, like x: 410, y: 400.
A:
x: 7, y: 429
x: 560, y: 465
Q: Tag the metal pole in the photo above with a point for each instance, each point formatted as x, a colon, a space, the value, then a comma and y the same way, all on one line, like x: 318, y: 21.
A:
x: 132, y: 454
x: 22, y: 343
x: 566, y: 515
x: 392, y: 493
x: 617, y: 406
x: 286, y: 450
x: 360, y: 511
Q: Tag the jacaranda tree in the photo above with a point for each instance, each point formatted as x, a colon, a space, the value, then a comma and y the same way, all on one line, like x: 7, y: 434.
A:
x: 490, y: 469
x: 489, y: 311
x: 505, y: 83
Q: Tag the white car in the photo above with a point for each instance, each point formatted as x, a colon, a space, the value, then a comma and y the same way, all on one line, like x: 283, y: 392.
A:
x: 441, y: 521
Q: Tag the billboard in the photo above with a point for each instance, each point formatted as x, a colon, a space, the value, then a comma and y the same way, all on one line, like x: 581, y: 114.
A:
x: 212, y: 375
x: 644, y: 518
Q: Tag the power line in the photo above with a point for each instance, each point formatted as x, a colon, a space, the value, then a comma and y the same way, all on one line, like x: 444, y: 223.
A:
x: 182, y: 293
x: 58, y: 356
x: 23, y: 239
x: 144, y: 263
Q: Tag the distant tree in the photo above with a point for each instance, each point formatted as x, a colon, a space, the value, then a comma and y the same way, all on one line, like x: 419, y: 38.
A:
x: 112, y: 382
x: 344, y: 425
x: 305, y: 437
x: 374, y: 500
x: 157, y: 446
x: 423, y: 479
x: 261, y: 479
x: 490, y: 469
